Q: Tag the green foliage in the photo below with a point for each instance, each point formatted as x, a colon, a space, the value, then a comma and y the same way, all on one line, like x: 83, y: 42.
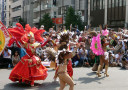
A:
x: 22, y: 22
x: 46, y: 21
x: 73, y: 19
x: 79, y: 22
x: 70, y: 17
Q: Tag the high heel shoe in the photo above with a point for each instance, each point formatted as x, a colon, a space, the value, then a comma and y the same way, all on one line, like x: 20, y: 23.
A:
x: 98, y: 74
x: 105, y: 74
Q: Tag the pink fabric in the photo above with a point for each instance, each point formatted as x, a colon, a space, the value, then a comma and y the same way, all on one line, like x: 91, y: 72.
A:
x: 105, y: 32
x: 96, y: 46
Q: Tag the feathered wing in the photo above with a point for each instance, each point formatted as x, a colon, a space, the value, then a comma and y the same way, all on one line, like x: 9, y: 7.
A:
x: 51, y: 54
x: 38, y: 36
x: 20, y: 34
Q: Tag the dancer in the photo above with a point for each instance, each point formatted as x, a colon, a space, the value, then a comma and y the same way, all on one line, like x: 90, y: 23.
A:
x: 64, y: 40
x: 29, y: 68
x: 62, y: 73
x: 104, y: 59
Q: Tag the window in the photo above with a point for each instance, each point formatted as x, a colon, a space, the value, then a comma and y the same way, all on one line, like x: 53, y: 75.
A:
x: 113, y: 3
x: 124, y: 2
x: 91, y: 5
x: 109, y: 3
x: 59, y: 11
x: 55, y: 14
x: 5, y: 7
x: 16, y: 8
x: 15, y: 0
x: 120, y: 2
x: 98, y: 4
x: 16, y: 19
x: 5, y: 15
x: 72, y: 1
x: 101, y: 4
x: 94, y: 4
x: 116, y: 2
x: 26, y: 2
x: 9, y: 6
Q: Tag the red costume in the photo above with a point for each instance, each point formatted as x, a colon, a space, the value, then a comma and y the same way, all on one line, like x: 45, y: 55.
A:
x: 29, y: 68
x: 69, y: 68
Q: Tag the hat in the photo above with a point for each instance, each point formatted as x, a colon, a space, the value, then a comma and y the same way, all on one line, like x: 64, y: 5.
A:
x: 42, y: 26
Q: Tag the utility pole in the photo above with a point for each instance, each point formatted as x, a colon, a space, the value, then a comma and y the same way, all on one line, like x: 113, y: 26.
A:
x: 79, y: 5
x: 62, y: 12
x: 23, y: 8
x: 40, y: 10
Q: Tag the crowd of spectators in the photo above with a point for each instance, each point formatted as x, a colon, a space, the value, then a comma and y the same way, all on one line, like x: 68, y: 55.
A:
x: 118, y: 48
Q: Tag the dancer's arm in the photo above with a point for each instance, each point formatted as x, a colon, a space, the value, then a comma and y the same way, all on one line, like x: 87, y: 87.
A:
x: 42, y: 45
x: 55, y: 76
x: 71, y: 55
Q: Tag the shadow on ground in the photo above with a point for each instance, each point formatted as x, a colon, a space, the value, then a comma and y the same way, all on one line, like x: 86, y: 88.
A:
x: 87, y: 80
x: 23, y: 86
x: 91, y: 73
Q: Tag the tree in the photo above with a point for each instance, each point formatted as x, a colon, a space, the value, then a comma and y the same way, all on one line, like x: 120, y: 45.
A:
x: 79, y: 22
x: 74, y: 19
x: 46, y: 21
x: 70, y: 17
x: 22, y: 22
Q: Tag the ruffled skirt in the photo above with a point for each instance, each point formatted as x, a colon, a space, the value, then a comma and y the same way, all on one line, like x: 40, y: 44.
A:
x: 28, y: 69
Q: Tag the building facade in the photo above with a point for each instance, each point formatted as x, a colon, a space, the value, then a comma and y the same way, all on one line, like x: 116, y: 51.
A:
x: 35, y: 9
x: 40, y: 8
x: 5, y: 12
x: 16, y: 10
x: 82, y: 7
x: 110, y: 12
x: 28, y: 6
x: 0, y: 9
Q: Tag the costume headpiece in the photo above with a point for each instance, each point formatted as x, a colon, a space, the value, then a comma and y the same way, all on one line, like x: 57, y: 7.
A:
x: 30, y: 34
x: 64, y: 37
x: 20, y: 34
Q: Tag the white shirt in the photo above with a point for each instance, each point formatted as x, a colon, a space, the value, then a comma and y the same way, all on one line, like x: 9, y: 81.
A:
x: 6, y: 54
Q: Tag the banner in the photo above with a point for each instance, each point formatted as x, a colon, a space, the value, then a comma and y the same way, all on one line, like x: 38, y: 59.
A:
x: 57, y: 20
x: 4, y: 37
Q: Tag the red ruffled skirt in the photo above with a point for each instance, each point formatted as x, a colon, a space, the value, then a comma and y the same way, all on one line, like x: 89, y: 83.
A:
x: 69, y: 68
x: 29, y: 69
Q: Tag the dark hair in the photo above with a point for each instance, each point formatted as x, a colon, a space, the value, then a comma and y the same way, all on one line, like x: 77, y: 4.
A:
x: 64, y: 46
x: 16, y: 52
x: 64, y: 38
x: 102, y: 42
x: 61, y: 56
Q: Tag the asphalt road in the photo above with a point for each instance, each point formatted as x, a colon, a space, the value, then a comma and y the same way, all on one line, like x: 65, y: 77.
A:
x: 84, y: 78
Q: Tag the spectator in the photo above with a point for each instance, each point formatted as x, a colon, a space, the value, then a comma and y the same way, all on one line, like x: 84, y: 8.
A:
x: 15, y: 58
x: 82, y: 55
x: 76, y: 60
x: 7, y: 57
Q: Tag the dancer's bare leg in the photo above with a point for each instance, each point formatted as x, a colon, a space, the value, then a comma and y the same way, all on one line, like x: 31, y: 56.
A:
x: 67, y: 79
x: 62, y: 84
x: 106, y: 68
x: 100, y: 66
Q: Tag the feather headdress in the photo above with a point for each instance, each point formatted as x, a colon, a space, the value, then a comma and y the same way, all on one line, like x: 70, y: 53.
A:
x: 19, y: 33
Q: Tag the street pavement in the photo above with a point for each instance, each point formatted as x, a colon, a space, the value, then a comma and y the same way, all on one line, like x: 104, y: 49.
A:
x: 84, y: 78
